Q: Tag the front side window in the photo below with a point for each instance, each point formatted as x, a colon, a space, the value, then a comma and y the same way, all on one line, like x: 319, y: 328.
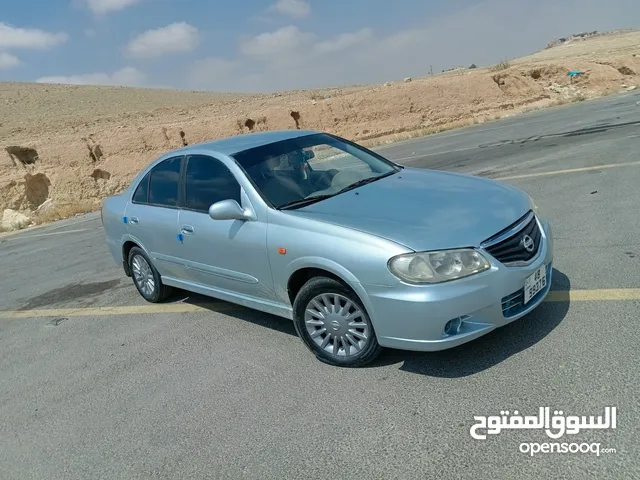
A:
x: 302, y: 170
x: 164, y: 182
x: 209, y: 181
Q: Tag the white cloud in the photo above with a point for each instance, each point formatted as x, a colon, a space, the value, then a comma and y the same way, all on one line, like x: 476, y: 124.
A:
x: 344, y: 41
x: 284, y: 40
x: 485, y: 33
x: 100, y: 7
x: 176, y: 37
x: 8, y: 61
x: 90, y: 32
x: 292, y: 8
x: 15, y: 37
x: 127, y: 76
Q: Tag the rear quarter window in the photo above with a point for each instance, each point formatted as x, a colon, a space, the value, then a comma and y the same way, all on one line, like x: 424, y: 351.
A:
x: 141, y: 194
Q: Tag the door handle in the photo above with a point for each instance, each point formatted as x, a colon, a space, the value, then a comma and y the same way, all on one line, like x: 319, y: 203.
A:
x: 133, y: 220
x: 187, y: 229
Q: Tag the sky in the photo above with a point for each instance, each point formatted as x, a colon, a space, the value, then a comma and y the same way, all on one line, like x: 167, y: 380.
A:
x: 271, y: 45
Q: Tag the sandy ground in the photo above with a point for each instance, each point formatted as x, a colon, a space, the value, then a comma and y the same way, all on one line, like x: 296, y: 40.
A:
x: 77, y: 144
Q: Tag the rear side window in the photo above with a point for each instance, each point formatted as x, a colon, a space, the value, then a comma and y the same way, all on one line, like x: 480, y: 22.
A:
x: 164, y: 182
x: 209, y: 181
x: 142, y: 192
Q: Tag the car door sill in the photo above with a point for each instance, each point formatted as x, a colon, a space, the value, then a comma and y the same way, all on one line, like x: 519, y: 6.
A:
x: 267, y: 306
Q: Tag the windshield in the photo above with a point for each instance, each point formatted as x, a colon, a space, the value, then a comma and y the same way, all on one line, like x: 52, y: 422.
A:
x: 301, y: 170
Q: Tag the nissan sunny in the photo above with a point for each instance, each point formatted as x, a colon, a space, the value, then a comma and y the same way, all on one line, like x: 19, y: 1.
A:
x: 360, y: 252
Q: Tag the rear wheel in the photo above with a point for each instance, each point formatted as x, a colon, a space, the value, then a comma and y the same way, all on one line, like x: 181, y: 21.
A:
x: 146, y: 278
x: 334, y: 325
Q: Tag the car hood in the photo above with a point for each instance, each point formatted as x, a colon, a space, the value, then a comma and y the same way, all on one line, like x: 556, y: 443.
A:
x: 425, y: 209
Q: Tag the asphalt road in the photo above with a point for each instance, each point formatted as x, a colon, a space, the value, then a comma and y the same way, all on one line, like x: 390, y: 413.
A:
x: 210, y: 390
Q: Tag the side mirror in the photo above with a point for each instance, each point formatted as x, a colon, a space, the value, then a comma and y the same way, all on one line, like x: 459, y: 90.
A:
x: 228, y: 210
x: 308, y: 154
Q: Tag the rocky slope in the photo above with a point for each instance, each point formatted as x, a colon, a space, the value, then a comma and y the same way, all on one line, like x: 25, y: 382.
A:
x: 74, y: 145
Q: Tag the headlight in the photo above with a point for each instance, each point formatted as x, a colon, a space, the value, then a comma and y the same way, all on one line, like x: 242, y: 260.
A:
x: 437, y: 267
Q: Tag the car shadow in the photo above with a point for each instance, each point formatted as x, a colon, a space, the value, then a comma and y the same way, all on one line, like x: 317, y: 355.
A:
x: 491, y: 349
x: 279, y: 324
x: 468, y: 359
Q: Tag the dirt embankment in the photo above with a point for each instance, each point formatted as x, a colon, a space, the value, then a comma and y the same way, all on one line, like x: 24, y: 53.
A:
x: 77, y: 144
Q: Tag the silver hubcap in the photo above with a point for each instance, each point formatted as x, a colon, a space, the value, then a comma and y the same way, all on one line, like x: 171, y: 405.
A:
x: 143, y: 276
x: 336, y: 324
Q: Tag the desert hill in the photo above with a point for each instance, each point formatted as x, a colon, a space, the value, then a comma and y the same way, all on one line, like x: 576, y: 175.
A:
x: 70, y: 146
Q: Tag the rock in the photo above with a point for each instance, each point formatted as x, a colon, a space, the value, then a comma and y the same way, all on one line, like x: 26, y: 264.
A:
x: 632, y: 87
x: 565, y: 91
x: 22, y: 155
x: 45, y: 206
x: 12, y: 220
x: 408, y: 80
x: 387, y: 84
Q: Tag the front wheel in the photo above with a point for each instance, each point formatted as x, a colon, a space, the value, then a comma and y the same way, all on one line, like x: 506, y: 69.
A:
x: 334, y: 325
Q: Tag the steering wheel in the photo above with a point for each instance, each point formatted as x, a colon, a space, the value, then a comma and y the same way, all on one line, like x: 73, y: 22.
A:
x: 344, y: 178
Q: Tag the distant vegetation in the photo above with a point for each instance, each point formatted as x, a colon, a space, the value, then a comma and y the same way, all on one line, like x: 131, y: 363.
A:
x: 503, y: 65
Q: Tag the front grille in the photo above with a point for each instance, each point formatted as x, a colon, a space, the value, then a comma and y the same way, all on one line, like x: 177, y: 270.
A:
x: 512, y: 249
x: 513, y: 304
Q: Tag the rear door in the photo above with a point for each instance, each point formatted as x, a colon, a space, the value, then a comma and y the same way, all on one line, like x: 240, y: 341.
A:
x: 152, y: 216
x: 228, y: 255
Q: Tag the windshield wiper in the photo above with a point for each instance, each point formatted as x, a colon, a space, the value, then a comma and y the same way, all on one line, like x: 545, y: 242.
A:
x: 303, y: 201
x: 364, y: 181
x: 310, y: 200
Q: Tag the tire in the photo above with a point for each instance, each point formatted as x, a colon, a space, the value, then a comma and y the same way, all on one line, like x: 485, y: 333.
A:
x: 344, y: 326
x: 137, y: 261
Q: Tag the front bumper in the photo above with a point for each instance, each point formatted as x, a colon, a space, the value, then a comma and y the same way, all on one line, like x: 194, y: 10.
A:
x: 409, y: 317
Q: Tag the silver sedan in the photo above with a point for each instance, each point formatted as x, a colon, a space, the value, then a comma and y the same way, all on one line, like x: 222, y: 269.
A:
x: 360, y: 252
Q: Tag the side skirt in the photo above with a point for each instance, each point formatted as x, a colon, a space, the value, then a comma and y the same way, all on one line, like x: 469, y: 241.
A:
x: 278, y: 309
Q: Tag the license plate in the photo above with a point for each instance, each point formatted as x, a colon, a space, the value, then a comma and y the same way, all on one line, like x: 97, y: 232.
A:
x: 534, y: 283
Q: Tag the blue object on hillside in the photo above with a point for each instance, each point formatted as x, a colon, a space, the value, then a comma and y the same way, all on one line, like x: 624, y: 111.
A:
x: 575, y: 72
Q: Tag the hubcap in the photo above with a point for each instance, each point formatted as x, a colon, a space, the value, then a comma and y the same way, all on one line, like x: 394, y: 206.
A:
x: 143, y: 276
x: 336, y: 324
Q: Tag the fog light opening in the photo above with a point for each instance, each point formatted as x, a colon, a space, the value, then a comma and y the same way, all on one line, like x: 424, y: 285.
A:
x: 453, y: 326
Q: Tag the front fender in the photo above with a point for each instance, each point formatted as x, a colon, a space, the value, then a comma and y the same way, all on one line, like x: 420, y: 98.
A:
x: 338, y: 270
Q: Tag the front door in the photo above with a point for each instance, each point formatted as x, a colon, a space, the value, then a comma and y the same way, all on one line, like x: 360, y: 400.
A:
x: 152, y: 217
x: 227, y: 255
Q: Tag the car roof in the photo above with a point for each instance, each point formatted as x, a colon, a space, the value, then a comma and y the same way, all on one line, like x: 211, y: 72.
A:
x: 238, y: 143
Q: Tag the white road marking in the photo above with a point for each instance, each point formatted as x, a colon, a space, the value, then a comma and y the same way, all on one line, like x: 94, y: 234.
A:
x: 569, y: 170
x: 556, y: 296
